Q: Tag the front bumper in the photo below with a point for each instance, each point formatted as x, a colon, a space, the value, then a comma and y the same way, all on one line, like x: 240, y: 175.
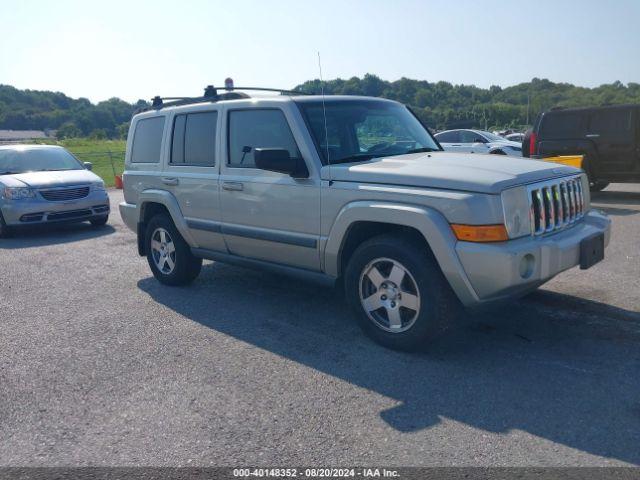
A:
x: 500, y: 270
x: 37, y: 211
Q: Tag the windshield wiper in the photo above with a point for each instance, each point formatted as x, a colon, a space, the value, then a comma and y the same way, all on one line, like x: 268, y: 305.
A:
x: 423, y: 149
x: 356, y: 158
x: 368, y: 156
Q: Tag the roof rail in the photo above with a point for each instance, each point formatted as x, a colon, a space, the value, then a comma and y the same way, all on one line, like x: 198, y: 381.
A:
x: 211, y: 95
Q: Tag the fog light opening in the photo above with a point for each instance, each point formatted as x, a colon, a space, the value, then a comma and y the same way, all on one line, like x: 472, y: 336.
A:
x: 527, y: 265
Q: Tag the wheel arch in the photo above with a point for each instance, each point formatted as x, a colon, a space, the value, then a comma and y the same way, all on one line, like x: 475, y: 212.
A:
x: 153, y: 202
x: 358, y: 221
x: 497, y: 151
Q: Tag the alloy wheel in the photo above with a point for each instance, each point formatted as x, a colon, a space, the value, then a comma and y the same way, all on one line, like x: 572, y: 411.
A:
x: 389, y: 295
x: 163, y: 251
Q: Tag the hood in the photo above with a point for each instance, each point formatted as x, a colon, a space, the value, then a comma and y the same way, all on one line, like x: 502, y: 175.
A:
x: 49, y: 179
x: 452, y: 171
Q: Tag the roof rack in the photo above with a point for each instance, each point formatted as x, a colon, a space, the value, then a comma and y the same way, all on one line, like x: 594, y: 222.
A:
x: 211, y: 95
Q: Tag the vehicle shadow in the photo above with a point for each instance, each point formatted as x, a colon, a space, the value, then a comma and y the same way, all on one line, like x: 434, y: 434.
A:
x: 39, y: 236
x: 616, y: 197
x: 553, y: 366
x: 611, y: 201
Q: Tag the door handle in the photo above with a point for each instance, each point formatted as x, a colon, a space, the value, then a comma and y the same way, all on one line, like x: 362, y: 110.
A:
x: 593, y: 135
x: 170, y: 181
x: 232, y: 186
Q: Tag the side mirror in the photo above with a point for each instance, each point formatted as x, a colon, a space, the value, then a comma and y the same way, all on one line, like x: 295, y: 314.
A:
x: 88, y: 165
x: 279, y: 160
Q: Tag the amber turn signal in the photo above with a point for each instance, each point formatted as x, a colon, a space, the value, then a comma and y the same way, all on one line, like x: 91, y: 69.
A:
x: 480, y: 233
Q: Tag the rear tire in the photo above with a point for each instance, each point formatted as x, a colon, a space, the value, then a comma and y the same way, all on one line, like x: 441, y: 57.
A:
x: 401, y: 298
x: 169, y: 256
x: 99, y: 221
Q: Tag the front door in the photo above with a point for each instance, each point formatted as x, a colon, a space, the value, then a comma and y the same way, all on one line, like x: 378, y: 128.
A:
x: 472, y: 142
x: 267, y: 215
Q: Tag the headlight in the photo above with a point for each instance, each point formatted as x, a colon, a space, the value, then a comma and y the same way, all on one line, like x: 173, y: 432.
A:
x: 515, y: 205
x: 18, y: 193
x: 97, y: 186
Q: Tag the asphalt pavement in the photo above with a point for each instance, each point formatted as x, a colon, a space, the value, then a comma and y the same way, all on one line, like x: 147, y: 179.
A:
x: 102, y: 365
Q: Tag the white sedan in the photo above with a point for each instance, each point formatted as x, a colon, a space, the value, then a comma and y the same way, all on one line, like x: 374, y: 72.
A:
x: 478, y: 141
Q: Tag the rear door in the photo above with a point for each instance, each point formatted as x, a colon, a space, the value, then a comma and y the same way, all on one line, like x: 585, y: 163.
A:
x: 564, y: 133
x: 192, y: 174
x: 613, y: 131
x: 450, y: 141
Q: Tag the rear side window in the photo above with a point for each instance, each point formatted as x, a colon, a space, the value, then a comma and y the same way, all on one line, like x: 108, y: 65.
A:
x: 449, y: 137
x: 147, y: 140
x: 618, y: 121
x: 194, y: 139
x: 562, y: 125
x: 251, y: 129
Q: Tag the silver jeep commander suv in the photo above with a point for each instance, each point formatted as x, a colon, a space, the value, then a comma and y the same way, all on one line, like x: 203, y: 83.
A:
x: 43, y: 184
x: 355, y: 191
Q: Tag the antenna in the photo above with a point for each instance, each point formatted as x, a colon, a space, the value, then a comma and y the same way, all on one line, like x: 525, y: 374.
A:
x: 324, y: 112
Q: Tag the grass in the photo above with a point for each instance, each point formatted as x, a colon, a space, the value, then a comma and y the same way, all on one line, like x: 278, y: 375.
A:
x: 96, y: 152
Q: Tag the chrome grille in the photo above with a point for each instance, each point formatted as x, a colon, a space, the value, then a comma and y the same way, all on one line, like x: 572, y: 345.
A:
x: 62, y: 194
x: 556, y: 204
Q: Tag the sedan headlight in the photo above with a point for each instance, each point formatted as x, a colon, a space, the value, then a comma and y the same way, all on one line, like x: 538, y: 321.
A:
x: 18, y: 193
x: 515, y: 205
x: 97, y: 186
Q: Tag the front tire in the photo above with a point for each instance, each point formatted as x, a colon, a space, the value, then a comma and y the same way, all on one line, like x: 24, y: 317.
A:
x: 99, y: 221
x: 168, y: 255
x: 4, y: 230
x: 398, y: 292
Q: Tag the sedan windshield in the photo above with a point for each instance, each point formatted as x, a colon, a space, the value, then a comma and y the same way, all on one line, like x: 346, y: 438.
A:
x: 22, y: 160
x: 358, y: 130
x: 492, y: 137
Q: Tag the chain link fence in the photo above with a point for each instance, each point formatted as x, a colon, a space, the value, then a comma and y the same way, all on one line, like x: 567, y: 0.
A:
x: 106, y: 164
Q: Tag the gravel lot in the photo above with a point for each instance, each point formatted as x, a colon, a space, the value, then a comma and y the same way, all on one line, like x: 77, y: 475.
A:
x: 101, y: 365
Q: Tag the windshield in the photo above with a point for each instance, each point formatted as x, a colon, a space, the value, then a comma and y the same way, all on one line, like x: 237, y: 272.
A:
x: 21, y: 160
x: 493, y: 138
x: 363, y: 129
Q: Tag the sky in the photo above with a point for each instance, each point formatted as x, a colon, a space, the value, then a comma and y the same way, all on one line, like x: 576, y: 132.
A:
x: 137, y: 49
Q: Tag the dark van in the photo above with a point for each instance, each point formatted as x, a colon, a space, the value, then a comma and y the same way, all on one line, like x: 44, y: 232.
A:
x: 608, y: 137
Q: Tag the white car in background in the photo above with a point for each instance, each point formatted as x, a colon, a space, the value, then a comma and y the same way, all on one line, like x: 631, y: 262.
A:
x: 478, y: 141
x: 515, y: 137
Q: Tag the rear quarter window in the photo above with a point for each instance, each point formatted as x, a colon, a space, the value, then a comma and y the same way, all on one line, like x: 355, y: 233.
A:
x: 448, y: 137
x: 147, y: 140
x: 614, y: 120
x: 562, y: 125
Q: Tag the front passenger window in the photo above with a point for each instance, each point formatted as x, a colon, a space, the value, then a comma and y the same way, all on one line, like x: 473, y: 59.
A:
x: 258, y: 128
x: 471, y: 137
